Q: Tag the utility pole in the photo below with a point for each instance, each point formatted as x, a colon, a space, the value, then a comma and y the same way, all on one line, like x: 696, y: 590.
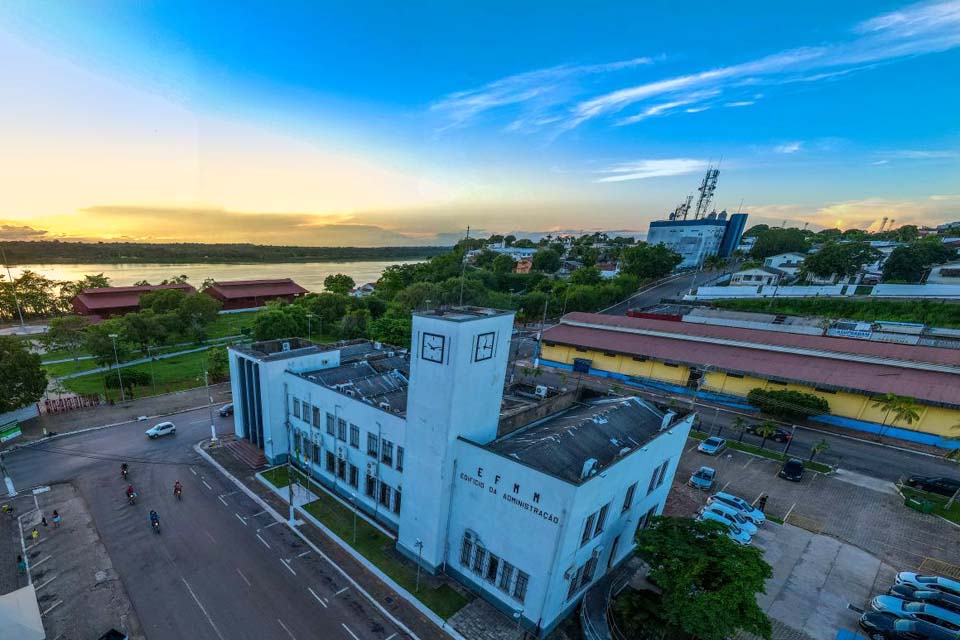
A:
x: 309, y: 327
x: 543, y: 323
x: 286, y: 412
x: 116, y: 359
x: 213, y: 428
x: 419, y: 545
x: 13, y: 287
x: 463, y: 264
x: 153, y: 380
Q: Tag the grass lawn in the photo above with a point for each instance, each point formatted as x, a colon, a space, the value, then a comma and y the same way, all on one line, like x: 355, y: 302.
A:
x: 375, y: 547
x: 764, y: 453
x: 939, y: 503
x: 65, y: 368
x: 231, y: 324
x: 170, y: 374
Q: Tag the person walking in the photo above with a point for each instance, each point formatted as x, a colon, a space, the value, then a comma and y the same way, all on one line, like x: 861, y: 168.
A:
x: 21, y: 565
x: 56, y: 519
x: 43, y: 521
x: 34, y: 534
x: 762, y: 503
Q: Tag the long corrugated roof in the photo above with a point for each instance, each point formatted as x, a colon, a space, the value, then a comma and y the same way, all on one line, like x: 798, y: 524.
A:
x: 257, y: 288
x: 114, y: 297
x: 835, y: 363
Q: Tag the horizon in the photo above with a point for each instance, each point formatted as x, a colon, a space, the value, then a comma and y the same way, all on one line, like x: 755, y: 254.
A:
x: 380, y: 127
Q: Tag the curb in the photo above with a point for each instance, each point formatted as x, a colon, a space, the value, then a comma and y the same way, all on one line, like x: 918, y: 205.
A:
x: 276, y: 516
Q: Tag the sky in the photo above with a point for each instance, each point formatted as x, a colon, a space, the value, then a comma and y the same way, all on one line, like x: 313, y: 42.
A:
x: 370, y: 123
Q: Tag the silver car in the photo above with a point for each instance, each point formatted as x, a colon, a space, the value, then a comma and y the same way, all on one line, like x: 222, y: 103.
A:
x: 929, y: 583
x: 917, y: 611
x: 755, y: 516
x: 732, y: 515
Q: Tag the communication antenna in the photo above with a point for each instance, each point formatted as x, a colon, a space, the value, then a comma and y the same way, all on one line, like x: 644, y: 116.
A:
x: 463, y: 263
x: 706, y: 189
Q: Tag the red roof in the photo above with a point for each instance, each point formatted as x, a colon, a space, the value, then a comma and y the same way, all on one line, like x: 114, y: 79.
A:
x: 256, y: 288
x: 120, y: 297
x: 760, y: 358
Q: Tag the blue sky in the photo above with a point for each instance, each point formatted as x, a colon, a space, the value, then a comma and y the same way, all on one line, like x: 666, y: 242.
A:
x: 340, y: 123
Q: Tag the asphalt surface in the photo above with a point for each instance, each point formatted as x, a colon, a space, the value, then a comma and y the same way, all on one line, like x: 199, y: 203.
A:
x: 221, y: 568
x: 670, y: 288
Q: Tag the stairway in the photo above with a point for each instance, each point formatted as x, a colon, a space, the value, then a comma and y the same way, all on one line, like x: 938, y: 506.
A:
x: 247, y: 454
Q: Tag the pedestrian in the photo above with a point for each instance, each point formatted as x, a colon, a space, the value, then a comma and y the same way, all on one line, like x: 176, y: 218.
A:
x: 762, y: 502
x: 56, y: 519
x: 43, y: 521
x: 21, y: 565
x: 34, y: 534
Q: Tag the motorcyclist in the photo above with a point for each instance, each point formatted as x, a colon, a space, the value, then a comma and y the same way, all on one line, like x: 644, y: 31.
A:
x: 154, y: 518
x: 124, y: 468
x: 131, y: 491
x: 177, y: 487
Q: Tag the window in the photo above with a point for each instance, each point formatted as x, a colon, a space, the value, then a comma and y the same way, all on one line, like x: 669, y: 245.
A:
x: 734, y: 375
x: 330, y: 462
x: 824, y: 390
x: 373, y: 445
x: 639, y: 358
x: 645, y: 520
x: 386, y: 452
x: 601, y: 520
x: 316, y: 453
x: 663, y: 472
x: 588, y: 571
x: 628, y: 499
x: 385, y: 491
x: 399, y: 458
x: 478, y: 558
x: 330, y: 422
x: 296, y: 408
x: 371, y: 487
x: 316, y: 417
x: 354, y: 476
x: 575, y: 583
x: 341, y: 429
x: 466, y: 548
x: 396, y: 500
x: 341, y: 469
x: 581, y: 349
x: 656, y: 478
x: 306, y: 412
x: 296, y: 441
x: 506, y: 575
x: 520, y: 588
x: 668, y: 364
x: 493, y: 565
x: 587, y: 530
x: 354, y: 436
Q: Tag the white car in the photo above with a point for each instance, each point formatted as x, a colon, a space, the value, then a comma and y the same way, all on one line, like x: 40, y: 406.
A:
x: 732, y: 516
x: 929, y: 583
x: 734, y: 532
x: 756, y: 516
x: 162, y: 429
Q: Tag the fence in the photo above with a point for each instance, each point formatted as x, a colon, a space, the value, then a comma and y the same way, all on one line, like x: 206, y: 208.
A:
x: 69, y: 403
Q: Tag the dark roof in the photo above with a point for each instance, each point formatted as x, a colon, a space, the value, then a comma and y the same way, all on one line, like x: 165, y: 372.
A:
x: 372, y: 381
x: 114, y: 297
x: 603, y: 430
x: 256, y: 288
x: 928, y: 374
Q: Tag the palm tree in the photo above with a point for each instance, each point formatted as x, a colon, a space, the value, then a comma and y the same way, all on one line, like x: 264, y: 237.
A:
x: 818, y: 448
x: 767, y: 429
x: 904, y: 409
x: 740, y: 424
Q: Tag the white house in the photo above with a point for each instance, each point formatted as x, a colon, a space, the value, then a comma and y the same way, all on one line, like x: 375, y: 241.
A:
x: 789, y: 263
x: 517, y: 253
x: 609, y: 270
x: 363, y: 290
x: 757, y: 276
x: 944, y: 274
x: 527, y: 518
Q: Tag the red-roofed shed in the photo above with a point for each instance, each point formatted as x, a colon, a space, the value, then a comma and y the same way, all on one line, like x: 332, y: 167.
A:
x: 106, y: 302
x: 250, y: 294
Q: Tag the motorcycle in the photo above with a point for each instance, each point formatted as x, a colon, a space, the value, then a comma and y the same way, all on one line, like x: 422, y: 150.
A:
x: 179, y: 493
x: 132, y: 498
x: 156, y: 526
x: 124, y: 473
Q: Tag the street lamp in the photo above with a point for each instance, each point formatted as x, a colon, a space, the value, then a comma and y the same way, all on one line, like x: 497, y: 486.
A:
x: 153, y: 380
x: 116, y: 359
x: 419, y: 545
x: 518, y: 614
x: 354, y: 519
x: 213, y: 428
x: 310, y: 316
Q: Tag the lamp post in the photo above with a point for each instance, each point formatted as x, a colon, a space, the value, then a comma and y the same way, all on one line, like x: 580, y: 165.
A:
x: 153, y: 380
x: 419, y: 545
x: 354, y: 519
x: 116, y: 359
x: 310, y: 317
x: 518, y: 614
x: 213, y: 428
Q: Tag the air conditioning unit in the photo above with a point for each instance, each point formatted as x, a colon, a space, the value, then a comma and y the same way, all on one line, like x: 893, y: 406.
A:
x: 377, y: 345
x: 285, y: 346
x: 351, y: 393
x: 541, y: 391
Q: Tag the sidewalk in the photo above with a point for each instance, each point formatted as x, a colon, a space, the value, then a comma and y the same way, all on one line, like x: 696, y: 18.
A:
x: 164, y: 404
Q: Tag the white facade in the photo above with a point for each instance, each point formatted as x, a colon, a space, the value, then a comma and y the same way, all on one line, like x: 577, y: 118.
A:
x: 754, y: 277
x: 944, y: 274
x: 419, y: 451
x: 694, y: 240
x: 517, y: 253
x: 789, y: 263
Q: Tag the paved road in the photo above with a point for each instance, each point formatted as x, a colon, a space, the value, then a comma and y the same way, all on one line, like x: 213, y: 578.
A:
x: 221, y: 568
x: 670, y: 287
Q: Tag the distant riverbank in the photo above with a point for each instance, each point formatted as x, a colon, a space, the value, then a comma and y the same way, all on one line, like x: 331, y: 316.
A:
x: 307, y: 274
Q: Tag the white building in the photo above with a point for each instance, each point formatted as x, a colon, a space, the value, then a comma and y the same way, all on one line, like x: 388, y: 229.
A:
x: 697, y: 240
x: 527, y: 515
x: 789, y: 263
x: 944, y: 274
x: 517, y: 253
x: 757, y: 276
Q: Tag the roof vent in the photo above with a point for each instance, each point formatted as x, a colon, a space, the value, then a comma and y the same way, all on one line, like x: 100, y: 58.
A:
x: 589, y: 468
x: 624, y: 451
x: 351, y: 393
x: 385, y: 406
x: 285, y: 346
x: 667, y: 419
x: 377, y: 345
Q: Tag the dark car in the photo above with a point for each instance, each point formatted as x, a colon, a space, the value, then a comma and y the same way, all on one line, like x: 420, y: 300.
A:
x: 883, y: 626
x: 226, y: 410
x: 934, y: 484
x: 792, y: 470
x: 781, y: 435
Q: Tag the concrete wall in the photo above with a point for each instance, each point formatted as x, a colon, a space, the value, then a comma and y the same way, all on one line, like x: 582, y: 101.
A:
x: 950, y: 291
x: 718, y: 293
x: 525, y: 415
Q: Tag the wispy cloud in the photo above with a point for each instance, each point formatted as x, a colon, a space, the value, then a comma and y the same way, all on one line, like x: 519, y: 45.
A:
x: 788, y: 147
x: 665, y: 108
x: 644, y: 169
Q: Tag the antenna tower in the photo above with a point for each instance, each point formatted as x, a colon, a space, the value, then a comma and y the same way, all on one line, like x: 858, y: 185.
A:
x: 706, y: 189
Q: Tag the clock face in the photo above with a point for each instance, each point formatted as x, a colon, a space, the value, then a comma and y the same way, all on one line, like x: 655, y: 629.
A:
x: 432, y: 347
x: 485, y: 344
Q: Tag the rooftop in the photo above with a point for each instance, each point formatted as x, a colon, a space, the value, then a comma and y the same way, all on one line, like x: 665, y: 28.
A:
x: 602, y: 430
x: 462, y: 314
x: 111, y: 297
x: 370, y: 372
x: 270, y: 350
x: 256, y: 288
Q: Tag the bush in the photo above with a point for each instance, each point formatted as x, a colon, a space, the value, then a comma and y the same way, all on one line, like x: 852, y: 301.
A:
x: 787, y: 404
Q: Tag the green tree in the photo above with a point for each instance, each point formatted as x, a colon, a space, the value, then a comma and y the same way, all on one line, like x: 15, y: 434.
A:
x: 589, y: 276
x: 196, y: 313
x: 280, y: 321
x: 502, y: 263
x: 775, y: 241
x: 143, y: 328
x: 649, y: 261
x: 65, y: 332
x: 756, y: 230
x: 818, y: 448
x: 903, y: 409
x: 523, y: 243
x: 840, y: 259
x: 788, y: 404
x: 709, y: 583
x: 909, y: 263
x: 767, y: 429
x: 22, y: 379
x: 131, y: 379
x: 392, y: 328
x: 100, y: 345
x: 163, y: 300
x: 546, y: 261
x: 218, y: 364
x: 338, y: 283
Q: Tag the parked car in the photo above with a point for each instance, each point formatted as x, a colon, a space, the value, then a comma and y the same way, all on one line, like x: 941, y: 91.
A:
x: 733, y: 515
x: 883, y: 626
x: 938, y: 598
x: 226, y: 410
x: 756, y: 516
x: 162, y: 429
x: 792, y: 470
x: 781, y: 435
x: 703, y: 478
x: 712, y: 446
x: 929, y: 583
x: 934, y: 484
x: 734, y: 532
x: 917, y: 611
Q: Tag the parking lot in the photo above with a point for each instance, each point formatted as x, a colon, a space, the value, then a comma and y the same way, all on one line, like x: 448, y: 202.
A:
x: 844, y: 538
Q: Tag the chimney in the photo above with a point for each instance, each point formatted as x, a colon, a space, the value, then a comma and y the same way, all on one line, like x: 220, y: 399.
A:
x: 667, y: 419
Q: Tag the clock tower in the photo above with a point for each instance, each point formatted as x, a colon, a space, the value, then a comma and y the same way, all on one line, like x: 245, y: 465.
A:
x: 458, y: 363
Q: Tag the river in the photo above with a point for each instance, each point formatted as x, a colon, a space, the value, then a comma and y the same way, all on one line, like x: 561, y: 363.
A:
x: 309, y: 275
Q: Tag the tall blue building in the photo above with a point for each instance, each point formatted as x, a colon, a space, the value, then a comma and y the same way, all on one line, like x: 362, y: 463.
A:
x: 698, y: 239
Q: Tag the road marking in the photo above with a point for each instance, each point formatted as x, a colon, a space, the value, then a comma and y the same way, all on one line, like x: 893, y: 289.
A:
x: 316, y: 597
x: 347, y: 629
x: 752, y: 458
x: 286, y: 563
x: 271, y: 524
x: 244, y: 577
x: 35, y: 543
x: 724, y: 487
x: 757, y: 499
x: 305, y: 553
x: 258, y: 513
x: 786, y: 517
x: 54, y: 606
x: 206, y: 485
x: 212, y: 539
x: 199, y: 604
x: 45, y: 583
x: 220, y: 498
x: 692, y: 447
x: 263, y: 541
x: 193, y: 471
x: 288, y: 630
x: 240, y: 517
x: 197, y: 422
x: 228, y: 493
x: 391, y: 636
x: 41, y: 562
x: 341, y: 591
